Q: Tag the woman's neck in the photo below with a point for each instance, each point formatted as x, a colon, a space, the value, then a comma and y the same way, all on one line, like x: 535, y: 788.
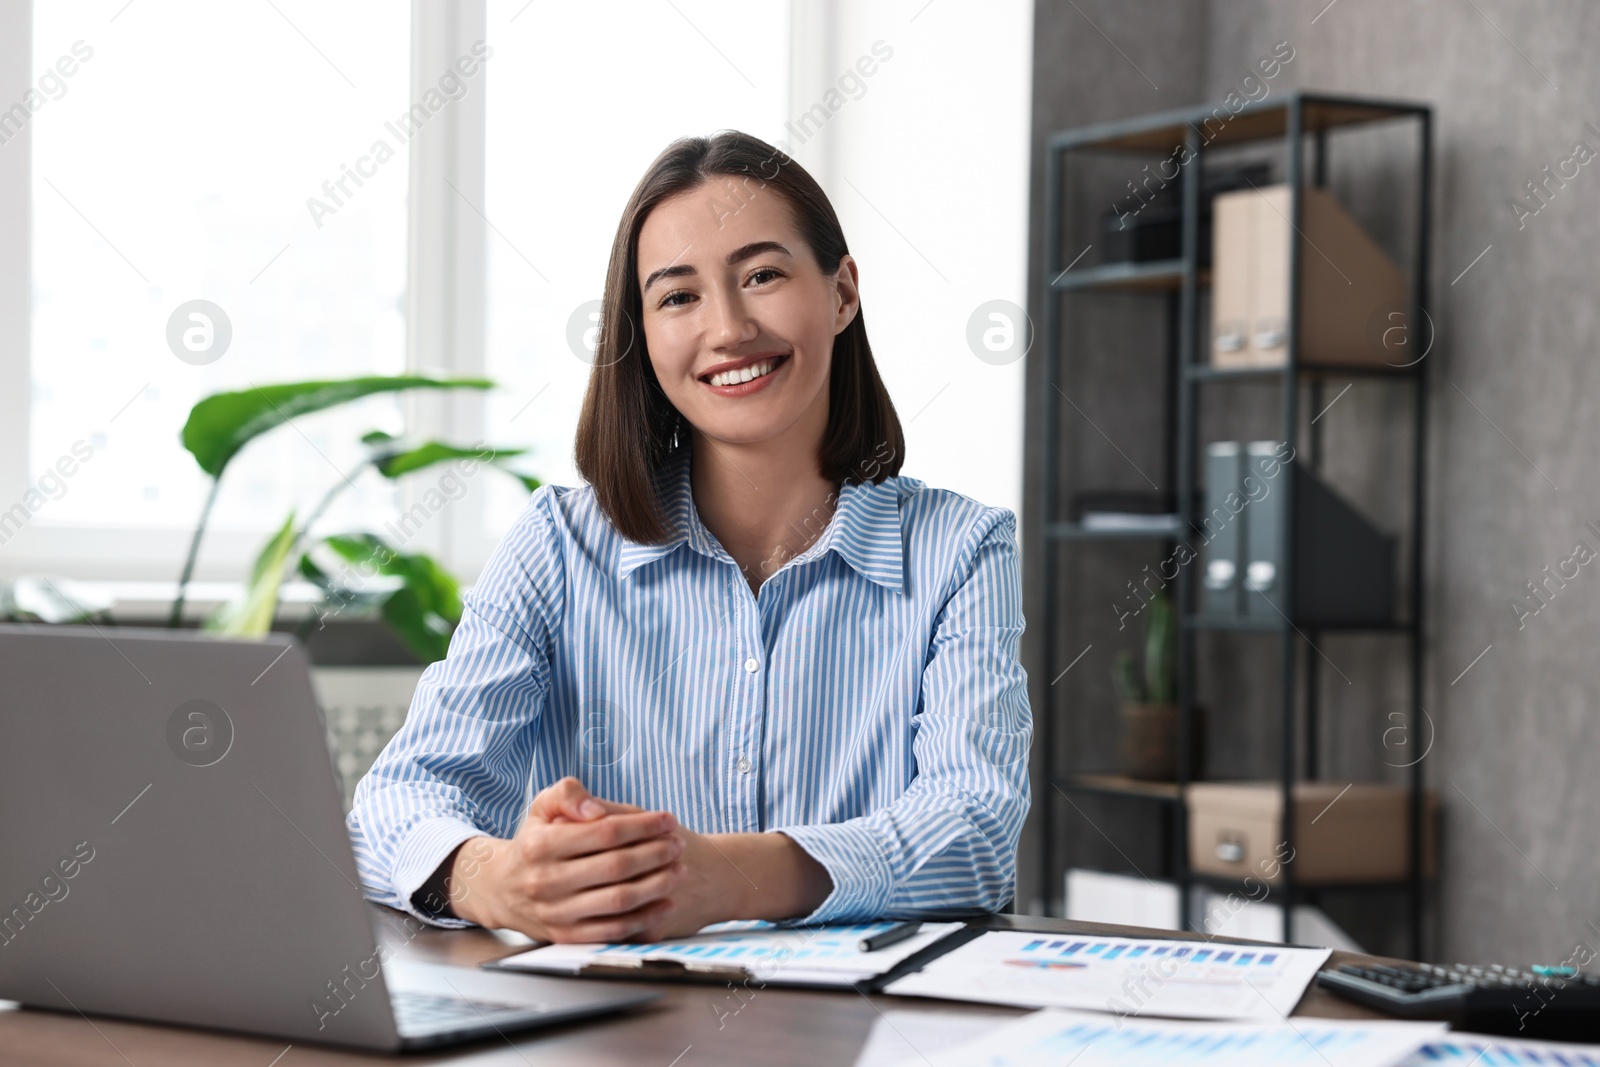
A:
x: 765, y: 504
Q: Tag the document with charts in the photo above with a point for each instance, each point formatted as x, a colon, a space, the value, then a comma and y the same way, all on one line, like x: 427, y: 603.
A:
x: 1477, y: 1050
x: 1128, y: 976
x: 1053, y: 1038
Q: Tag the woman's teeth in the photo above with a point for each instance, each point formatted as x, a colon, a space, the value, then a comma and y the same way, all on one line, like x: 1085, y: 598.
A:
x: 744, y: 374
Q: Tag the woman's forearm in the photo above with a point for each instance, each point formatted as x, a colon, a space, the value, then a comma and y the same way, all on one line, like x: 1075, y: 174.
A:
x: 765, y: 876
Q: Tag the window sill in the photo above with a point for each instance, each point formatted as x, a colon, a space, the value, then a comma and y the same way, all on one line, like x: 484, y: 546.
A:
x: 350, y: 641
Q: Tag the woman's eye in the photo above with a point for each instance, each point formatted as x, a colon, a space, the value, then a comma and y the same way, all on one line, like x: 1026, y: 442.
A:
x: 762, y: 275
x: 676, y: 299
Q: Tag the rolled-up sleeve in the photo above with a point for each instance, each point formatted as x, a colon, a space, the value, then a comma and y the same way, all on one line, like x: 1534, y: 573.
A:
x: 948, y: 844
x: 460, y: 765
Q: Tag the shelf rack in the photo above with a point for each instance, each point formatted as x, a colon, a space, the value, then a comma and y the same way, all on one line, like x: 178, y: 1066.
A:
x: 1294, y: 118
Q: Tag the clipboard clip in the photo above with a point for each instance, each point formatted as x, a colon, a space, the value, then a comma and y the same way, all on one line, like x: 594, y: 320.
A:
x: 666, y: 969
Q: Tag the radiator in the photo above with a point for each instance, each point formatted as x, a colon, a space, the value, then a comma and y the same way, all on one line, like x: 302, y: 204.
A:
x: 362, y: 708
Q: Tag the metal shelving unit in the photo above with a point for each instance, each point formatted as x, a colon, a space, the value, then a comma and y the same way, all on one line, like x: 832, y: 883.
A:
x: 1302, y: 122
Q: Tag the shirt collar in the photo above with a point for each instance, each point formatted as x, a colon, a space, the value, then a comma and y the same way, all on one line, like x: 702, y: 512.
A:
x: 865, y: 532
x: 672, y: 490
x: 865, y: 529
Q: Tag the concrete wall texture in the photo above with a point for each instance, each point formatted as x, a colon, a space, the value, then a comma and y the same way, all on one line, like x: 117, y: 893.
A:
x: 1512, y: 694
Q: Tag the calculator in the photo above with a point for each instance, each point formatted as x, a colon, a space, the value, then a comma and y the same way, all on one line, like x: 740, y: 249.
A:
x: 1557, y: 1003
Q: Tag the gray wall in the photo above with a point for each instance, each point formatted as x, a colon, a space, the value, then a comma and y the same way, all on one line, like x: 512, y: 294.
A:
x: 1511, y: 445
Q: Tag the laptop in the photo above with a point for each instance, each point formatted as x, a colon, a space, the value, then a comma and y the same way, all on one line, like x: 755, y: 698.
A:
x: 175, y: 850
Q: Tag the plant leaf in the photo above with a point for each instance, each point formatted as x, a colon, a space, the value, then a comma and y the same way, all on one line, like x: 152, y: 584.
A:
x: 338, y: 597
x: 394, y: 464
x: 313, y: 573
x: 429, y: 453
x: 425, y: 609
x: 425, y: 633
x: 223, y: 423
x: 252, y: 616
x: 1126, y: 677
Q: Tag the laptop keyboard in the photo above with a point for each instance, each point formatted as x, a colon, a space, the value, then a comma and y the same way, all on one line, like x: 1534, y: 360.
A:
x: 416, y: 1012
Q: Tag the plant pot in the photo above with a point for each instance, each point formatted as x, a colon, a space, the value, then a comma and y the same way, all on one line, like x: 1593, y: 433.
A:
x: 1149, y: 742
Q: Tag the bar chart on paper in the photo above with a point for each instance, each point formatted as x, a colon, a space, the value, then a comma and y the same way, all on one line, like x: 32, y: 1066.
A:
x: 1051, y: 1038
x: 1179, y: 979
x: 1467, y: 1050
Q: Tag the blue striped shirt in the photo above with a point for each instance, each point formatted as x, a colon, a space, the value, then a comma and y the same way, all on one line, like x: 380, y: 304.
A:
x: 867, y: 702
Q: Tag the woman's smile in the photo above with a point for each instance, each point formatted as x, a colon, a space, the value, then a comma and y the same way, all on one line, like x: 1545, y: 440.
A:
x: 741, y: 377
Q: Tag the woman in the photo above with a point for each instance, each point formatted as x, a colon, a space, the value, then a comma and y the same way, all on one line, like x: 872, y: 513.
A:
x: 748, y: 671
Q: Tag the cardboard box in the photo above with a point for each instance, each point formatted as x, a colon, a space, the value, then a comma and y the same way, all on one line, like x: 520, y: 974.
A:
x: 1341, y: 836
x: 1348, y: 284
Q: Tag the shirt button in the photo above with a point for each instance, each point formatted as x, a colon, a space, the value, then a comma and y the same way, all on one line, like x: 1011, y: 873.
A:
x: 743, y: 765
x: 751, y: 665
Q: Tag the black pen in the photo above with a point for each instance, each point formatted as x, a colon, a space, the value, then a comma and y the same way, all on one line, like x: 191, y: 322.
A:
x: 893, y: 935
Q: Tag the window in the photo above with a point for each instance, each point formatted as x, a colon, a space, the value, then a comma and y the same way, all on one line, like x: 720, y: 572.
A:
x: 176, y: 151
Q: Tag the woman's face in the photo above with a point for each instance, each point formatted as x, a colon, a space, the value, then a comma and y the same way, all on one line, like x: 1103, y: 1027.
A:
x: 730, y: 291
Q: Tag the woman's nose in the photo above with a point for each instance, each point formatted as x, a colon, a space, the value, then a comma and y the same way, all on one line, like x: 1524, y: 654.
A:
x: 731, y: 323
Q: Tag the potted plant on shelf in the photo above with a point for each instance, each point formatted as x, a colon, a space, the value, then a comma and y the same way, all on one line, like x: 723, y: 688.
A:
x: 1149, y: 715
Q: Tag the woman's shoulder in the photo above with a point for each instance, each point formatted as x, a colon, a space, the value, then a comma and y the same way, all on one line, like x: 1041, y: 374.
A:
x: 928, y: 511
x: 948, y: 537
x: 560, y: 513
x: 555, y: 529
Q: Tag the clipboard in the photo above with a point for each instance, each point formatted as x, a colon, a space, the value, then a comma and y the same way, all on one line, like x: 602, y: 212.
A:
x: 713, y: 972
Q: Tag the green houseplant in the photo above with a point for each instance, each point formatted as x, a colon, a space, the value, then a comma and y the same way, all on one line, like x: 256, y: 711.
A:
x: 1149, y: 692
x: 416, y: 597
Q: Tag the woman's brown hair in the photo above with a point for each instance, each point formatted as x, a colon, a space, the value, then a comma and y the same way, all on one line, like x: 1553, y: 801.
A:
x: 629, y: 430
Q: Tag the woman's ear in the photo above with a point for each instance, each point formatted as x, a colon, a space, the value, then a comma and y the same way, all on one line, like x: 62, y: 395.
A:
x: 847, y: 286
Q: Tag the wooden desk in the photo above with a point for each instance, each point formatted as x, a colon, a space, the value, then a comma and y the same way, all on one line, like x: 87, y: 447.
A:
x: 691, y: 1026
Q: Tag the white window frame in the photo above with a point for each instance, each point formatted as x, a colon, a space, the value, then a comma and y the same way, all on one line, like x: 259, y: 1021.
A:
x: 447, y: 265
x: 16, y: 224
x: 445, y: 305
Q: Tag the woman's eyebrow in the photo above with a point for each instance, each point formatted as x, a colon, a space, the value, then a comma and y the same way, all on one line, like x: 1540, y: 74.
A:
x: 743, y: 252
x: 754, y: 248
x: 677, y: 270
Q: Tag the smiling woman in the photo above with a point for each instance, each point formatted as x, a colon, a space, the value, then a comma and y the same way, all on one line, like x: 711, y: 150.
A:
x: 732, y: 285
x: 750, y: 670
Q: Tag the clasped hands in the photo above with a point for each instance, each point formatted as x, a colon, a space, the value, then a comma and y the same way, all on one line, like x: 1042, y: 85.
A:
x: 583, y: 869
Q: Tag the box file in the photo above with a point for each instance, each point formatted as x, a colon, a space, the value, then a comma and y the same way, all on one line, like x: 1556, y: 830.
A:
x: 1342, y: 833
x: 1260, y: 580
x: 1343, y: 567
x: 1344, y: 572
x: 1346, y: 279
x: 1220, y: 592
